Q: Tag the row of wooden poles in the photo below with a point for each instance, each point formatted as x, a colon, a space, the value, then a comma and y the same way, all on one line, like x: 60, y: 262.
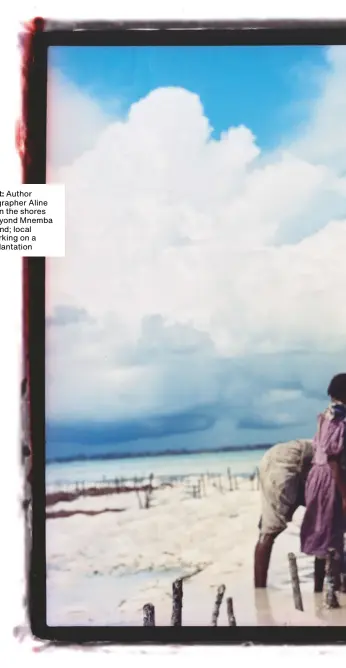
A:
x: 177, y: 607
x: 217, y: 479
x: 331, y: 599
x: 81, y: 485
x: 198, y: 486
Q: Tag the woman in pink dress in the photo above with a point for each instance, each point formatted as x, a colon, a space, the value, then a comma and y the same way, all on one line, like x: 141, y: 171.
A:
x: 325, y: 490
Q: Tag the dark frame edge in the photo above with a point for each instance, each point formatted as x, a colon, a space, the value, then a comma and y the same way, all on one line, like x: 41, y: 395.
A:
x: 34, y: 165
x: 33, y: 156
x: 241, y: 24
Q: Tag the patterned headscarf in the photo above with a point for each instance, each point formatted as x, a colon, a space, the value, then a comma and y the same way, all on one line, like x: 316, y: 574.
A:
x: 335, y: 411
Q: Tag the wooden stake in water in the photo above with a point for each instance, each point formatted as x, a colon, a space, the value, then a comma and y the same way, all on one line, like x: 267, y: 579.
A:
x: 297, y: 597
x: 219, y: 596
x: 229, y: 474
x: 177, y: 602
x: 148, y: 615
x: 230, y: 613
x: 331, y: 598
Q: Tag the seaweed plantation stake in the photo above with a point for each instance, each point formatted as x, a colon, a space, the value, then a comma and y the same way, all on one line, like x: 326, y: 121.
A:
x: 177, y: 602
x: 139, y: 499
x: 254, y: 479
x: 219, y: 596
x: 257, y: 478
x: 229, y: 474
x: 149, y: 491
x: 230, y: 613
x: 148, y: 615
x: 297, y: 597
x: 331, y: 598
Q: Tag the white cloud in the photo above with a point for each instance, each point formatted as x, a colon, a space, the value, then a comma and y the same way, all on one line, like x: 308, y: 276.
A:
x: 75, y: 121
x: 238, y: 256
x: 324, y: 139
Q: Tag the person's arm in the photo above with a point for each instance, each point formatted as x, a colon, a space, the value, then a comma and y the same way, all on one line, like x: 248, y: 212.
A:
x: 335, y: 450
x: 339, y: 476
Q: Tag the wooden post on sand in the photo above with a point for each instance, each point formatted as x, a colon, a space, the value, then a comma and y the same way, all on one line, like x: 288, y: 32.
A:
x: 229, y: 474
x: 297, y: 597
x: 230, y: 613
x: 257, y: 478
x: 148, y: 615
x: 177, y: 602
x: 331, y: 598
x: 149, y: 491
x: 135, y: 484
x: 254, y: 479
x: 216, y: 610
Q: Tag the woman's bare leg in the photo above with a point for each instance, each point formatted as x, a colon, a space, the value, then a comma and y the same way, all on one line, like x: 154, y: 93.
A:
x: 319, y: 574
x: 337, y: 565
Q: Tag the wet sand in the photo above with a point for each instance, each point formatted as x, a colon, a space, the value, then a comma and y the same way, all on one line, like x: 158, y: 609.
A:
x: 102, y: 569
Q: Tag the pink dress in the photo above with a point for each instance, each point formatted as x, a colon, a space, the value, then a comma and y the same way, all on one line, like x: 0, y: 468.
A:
x: 323, y: 523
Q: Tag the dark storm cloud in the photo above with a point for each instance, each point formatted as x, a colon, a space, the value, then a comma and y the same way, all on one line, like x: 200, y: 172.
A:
x: 122, y: 432
x: 246, y: 396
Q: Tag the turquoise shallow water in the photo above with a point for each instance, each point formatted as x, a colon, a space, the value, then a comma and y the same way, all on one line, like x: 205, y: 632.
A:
x: 163, y: 467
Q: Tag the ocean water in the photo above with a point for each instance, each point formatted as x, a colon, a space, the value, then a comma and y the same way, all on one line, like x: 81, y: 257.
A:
x: 63, y: 474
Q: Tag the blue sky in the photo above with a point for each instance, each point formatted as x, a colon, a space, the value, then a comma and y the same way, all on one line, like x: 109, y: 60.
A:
x: 260, y: 87
x: 198, y: 304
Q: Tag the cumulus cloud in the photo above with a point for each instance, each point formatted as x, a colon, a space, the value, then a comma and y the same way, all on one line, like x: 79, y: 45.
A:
x: 74, y: 122
x: 323, y: 140
x: 210, y: 274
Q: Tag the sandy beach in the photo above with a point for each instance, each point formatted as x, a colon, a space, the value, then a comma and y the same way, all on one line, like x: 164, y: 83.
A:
x: 102, y: 569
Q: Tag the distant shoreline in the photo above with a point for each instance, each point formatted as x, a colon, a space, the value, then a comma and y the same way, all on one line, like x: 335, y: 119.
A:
x: 165, y: 453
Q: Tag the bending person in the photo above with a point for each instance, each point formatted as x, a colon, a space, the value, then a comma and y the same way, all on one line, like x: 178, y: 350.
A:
x: 282, y: 475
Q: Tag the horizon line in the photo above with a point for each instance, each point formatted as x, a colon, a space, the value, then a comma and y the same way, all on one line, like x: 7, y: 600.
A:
x: 150, y: 453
